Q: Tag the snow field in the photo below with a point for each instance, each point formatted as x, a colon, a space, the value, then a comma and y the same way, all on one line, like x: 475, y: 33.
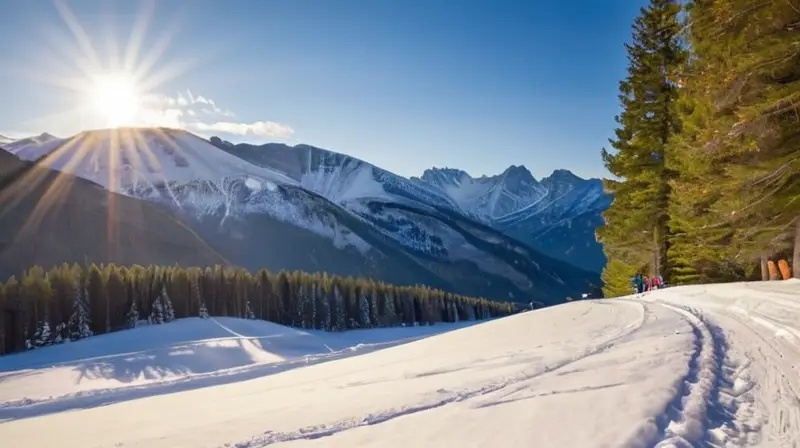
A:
x: 708, y: 366
x: 516, y: 381
x: 183, y: 355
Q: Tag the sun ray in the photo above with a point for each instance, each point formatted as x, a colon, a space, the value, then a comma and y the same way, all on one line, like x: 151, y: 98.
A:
x: 137, y: 36
x: 152, y: 57
x: 78, y: 32
x: 113, y: 89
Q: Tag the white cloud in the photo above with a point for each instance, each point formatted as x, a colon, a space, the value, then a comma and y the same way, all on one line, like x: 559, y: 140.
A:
x: 200, y: 113
x: 258, y: 128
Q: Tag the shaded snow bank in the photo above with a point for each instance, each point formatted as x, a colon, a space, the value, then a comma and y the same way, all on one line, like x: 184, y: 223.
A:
x: 185, y: 354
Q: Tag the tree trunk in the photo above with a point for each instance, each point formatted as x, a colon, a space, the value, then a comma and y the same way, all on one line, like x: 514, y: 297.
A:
x: 657, y: 251
x: 764, y: 269
x: 796, y: 257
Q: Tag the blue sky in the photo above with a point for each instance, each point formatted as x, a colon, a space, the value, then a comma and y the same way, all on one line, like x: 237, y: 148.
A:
x: 476, y: 85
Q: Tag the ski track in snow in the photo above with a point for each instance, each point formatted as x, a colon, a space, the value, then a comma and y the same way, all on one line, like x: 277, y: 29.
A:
x: 737, y: 392
x: 28, y: 408
x: 326, y: 430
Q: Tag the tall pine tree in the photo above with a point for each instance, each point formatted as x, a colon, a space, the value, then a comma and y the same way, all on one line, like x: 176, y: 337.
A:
x: 636, y: 230
x: 739, y: 152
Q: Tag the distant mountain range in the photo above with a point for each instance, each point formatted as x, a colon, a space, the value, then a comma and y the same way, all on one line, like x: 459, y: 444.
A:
x: 557, y: 215
x: 507, y: 237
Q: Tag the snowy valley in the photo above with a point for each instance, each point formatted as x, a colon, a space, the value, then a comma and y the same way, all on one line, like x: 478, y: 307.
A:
x: 711, y: 365
x: 310, y: 209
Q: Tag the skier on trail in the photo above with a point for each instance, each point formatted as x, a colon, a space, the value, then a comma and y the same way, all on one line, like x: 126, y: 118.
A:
x: 637, y: 283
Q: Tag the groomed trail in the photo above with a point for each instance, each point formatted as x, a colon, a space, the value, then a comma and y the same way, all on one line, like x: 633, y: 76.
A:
x: 714, y: 366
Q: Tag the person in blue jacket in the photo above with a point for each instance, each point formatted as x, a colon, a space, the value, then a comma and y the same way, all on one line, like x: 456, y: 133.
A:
x: 638, y: 283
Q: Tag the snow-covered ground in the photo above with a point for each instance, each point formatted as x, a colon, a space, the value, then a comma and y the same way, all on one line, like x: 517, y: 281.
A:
x: 690, y: 366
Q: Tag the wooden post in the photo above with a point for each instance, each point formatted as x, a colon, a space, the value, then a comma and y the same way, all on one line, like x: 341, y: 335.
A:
x: 783, y: 267
x: 773, y: 271
x: 764, y: 269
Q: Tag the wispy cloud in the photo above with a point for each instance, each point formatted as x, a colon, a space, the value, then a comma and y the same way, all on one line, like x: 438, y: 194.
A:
x: 258, y: 128
x: 202, y: 114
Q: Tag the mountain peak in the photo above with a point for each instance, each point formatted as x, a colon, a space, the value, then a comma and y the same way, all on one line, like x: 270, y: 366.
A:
x: 443, y: 176
x: 562, y: 176
x: 519, y: 172
x: 518, y: 178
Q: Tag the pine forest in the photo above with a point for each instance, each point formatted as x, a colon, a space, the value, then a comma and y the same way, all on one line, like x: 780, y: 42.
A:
x: 706, y: 156
x: 72, y: 302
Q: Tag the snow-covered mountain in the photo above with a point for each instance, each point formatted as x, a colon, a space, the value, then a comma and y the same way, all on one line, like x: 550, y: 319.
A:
x: 37, y: 145
x: 557, y: 215
x: 338, y: 177
x: 306, y: 208
x: 5, y: 140
x: 488, y: 198
x: 135, y: 160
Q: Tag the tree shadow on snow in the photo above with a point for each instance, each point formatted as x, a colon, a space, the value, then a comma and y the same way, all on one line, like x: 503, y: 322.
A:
x: 207, y: 363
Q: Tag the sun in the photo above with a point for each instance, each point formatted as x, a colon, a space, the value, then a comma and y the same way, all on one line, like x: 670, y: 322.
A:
x: 115, y: 99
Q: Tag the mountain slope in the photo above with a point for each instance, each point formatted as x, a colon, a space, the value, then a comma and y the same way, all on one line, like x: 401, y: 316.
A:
x: 47, y: 217
x: 686, y: 366
x: 489, y: 198
x: 340, y: 178
x: 413, y: 213
x: 557, y: 215
x: 312, y: 210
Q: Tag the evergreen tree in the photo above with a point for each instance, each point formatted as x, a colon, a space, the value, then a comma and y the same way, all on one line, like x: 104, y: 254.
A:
x: 157, y: 312
x: 196, y: 298
x: 97, y: 300
x: 311, y: 306
x: 132, y: 317
x: 363, y: 308
x: 374, y: 316
x: 169, y: 310
x: 59, y: 335
x: 636, y: 230
x: 248, y: 313
x: 744, y: 87
x: 203, y: 311
x: 327, y: 313
x: 44, y: 336
x: 340, y: 319
x: 80, y: 322
x: 390, y: 313
x: 299, y: 307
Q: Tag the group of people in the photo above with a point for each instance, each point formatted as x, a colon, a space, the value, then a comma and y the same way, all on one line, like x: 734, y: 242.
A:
x: 642, y: 283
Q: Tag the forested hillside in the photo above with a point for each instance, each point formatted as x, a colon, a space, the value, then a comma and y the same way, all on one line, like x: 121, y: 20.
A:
x: 707, y: 152
x: 68, y: 303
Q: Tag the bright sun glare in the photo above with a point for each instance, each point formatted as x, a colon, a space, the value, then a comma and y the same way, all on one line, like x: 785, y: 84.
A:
x: 115, y: 99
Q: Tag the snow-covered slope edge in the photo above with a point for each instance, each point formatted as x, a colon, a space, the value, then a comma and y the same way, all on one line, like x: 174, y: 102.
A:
x: 186, y: 354
x: 688, y: 366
